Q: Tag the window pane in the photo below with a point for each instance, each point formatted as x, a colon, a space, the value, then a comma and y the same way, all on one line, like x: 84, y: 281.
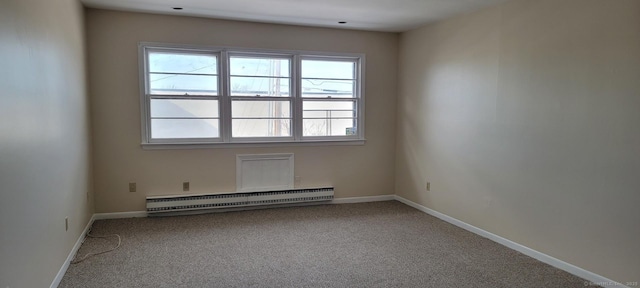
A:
x: 328, y: 69
x: 263, y: 86
x: 261, y: 109
x: 261, y: 127
x: 328, y: 105
x: 163, y: 84
x: 184, y: 108
x: 329, y: 127
x: 327, y: 88
x: 321, y: 113
x: 182, y: 63
x: 184, y: 128
x: 329, y: 118
x: 269, y: 67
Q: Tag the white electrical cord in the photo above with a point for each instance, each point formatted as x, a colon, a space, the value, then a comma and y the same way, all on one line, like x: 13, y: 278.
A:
x: 85, y: 257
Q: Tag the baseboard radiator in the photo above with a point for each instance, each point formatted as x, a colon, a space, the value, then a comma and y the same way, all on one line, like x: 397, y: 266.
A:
x: 159, y: 205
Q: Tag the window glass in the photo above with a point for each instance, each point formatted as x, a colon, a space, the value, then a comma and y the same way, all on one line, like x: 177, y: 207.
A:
x: 184, y: 128
x: 261, y: 109
x: 327, y: 88
x: 251, y: 66
x: 176, y: 84
x: 261, y: 128
x: 181, y: 63
x: 189, y: 108
x: 261, y: 118
x: 329, y: 118
x: 180, y: 73
x: 259, y: 76
x: 184, y: 118
x: 328, y: 79
x: 254, y: 86
x: 328, y: 69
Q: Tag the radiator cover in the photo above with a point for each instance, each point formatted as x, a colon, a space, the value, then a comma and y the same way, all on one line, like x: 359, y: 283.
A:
x: 164, y: 204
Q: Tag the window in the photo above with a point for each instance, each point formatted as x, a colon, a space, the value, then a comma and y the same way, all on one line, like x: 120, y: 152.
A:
x: 260, y: 96
x: 182, y: 94
x: 214, y: 96
x: 329, y: 101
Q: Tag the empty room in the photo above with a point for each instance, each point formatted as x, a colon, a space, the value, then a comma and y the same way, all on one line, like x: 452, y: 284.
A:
x: 288, y: 143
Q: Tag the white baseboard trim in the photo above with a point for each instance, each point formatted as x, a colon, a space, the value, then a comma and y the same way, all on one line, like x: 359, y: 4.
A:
x: 76, y: 247
x: 591, y: 277
x: 74, y: 250
x: 120, y: 215
x: 363, y: 199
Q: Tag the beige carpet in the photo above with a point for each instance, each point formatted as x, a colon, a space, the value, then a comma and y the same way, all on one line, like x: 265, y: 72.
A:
x: 382, y: 244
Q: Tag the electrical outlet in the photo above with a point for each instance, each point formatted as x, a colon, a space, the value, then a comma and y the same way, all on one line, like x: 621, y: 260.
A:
x: 132, y: 187
x: 428, y: 186
x: 185, y: 186
x: 66, y: 223
x: 297, y: 180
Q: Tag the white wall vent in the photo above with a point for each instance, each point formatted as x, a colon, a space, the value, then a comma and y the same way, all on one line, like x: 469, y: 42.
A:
x: 264, y: 172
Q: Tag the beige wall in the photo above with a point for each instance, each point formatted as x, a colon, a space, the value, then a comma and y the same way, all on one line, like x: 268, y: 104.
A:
x: 45, y: 166
x: 525, y: 118
x: 113, y: 59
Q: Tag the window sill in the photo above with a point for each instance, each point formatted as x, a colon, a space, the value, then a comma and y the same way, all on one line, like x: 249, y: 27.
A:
x: 166, y: 146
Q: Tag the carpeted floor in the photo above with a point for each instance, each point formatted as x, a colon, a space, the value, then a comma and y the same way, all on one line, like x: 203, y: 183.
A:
x: 381, y: 244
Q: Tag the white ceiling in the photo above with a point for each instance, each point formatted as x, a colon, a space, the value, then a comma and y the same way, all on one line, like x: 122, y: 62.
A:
x: 376, y: 15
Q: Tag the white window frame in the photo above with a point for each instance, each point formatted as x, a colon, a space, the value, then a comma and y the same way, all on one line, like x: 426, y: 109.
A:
x: 231, y: 98
x: 357, y: 99
x: 147, y: 96
x: 224, y: 98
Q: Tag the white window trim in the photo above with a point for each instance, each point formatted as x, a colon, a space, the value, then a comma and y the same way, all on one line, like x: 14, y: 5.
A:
x: 224, y: 100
